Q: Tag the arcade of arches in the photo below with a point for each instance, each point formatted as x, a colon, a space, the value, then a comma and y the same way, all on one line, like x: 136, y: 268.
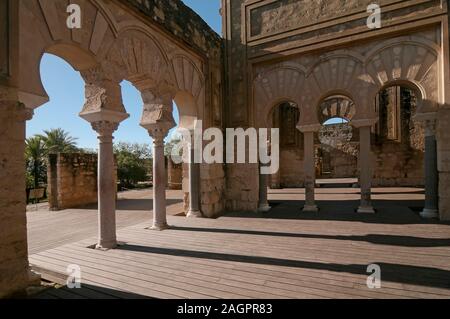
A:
x: 277, y: 65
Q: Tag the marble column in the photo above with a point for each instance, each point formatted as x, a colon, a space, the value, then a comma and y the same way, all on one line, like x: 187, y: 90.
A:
x: 106, y: 185
x: 194, y: 182
x: 159, y: 180
x: 263, y: 204
x: 310, y: 172
x: 431, y: 172
x: 365, y: 167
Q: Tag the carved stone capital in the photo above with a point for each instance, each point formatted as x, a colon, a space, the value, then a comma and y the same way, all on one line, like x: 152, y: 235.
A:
x: 105, y: 128
x: 157, y: 112
x: 20, y: 112
x: 158, y: 133
x: 101, y: 91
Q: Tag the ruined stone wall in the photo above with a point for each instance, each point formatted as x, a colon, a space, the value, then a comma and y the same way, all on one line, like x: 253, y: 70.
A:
x: 398, y: 165
x: 72, y: 180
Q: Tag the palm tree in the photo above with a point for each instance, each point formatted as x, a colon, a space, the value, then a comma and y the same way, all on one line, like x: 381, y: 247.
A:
x: 59, y: 141
x: 35, y: 152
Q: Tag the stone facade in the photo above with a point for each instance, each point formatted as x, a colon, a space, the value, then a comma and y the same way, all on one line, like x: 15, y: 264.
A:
x: 274, y: 56
x: 72, y: 180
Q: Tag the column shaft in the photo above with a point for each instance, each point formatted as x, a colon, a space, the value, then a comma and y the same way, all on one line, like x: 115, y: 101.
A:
x: 263, y: 205
x: 194, y: 185
x: 159, y: 185
x: 106, y: 193
x: 365, y: 166
x: 431, y: 174
x: 310, y: 173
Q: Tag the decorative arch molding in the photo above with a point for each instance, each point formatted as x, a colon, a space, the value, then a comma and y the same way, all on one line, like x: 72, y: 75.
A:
x: 336, y: 73
x: 409, y: 62
x: 46, y: 32
x: 276, y: 85
x: 137, y: 57
x: 336, y: 106
x: 189, y: 83
x: 187, y: 76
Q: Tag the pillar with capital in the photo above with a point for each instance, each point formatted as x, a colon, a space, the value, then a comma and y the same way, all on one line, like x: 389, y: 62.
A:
x: 309, y: 166
x: 263, y: 204
x: 106, y: 185
x: 157, y: 119
x: 365, y: 168
x: 431, y: 171
x: 104, y: 110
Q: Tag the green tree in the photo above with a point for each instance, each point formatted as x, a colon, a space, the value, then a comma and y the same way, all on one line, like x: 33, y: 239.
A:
x: 35, y: 154
x: 133, y: 163
x: 59, y: 141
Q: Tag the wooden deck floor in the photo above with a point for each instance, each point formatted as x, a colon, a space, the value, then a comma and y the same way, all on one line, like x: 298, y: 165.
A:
x: 260, y: 257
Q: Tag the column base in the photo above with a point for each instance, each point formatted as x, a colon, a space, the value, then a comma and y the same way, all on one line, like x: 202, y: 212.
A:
x: 429, y: 213
x: 106, y: 245
x: 264, y: 208
x: 310, y: 209
x: 34, y: 279
x: 160, y: 227
x: 194, y: 214
x: 366, y: 210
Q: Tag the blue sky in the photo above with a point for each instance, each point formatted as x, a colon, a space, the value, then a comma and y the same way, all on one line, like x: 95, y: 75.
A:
x: 65, y: 88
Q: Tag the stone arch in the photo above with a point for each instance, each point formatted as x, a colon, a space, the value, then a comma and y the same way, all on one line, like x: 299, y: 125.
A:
x: 269, y: 117
x: 190, y: 84
x: 336, y: 106
x: 137, y: 57
x: 412, y: 62
x: 335, y: 73
x: 276, y: 85
x: 47, y: 32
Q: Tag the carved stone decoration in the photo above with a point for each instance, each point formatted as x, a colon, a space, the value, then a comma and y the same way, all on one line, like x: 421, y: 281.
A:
x: 157, y: 113
x: 188, y: 77
x: 139, y: 59
x: 337, y: 107
x: 105, y: 128
x: 284, y: 15
x: 336, y: 73
x: 405, y: 61
x: 101, y: 92
x: 278, y: 84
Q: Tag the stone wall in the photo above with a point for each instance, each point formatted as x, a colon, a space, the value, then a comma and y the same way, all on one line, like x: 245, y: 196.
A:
x: 174, y: 174
x: 14, y: 270
x: 291, y: 168
x: 212, y: 189
x: 72, y: 180
x: 443, y: 140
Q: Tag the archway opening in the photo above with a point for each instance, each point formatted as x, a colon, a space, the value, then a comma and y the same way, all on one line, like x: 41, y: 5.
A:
x: 178, y: 170
x: 57, y: 129
x: 285, y: 116
x: 337, y: 143
x: 398, y: 141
